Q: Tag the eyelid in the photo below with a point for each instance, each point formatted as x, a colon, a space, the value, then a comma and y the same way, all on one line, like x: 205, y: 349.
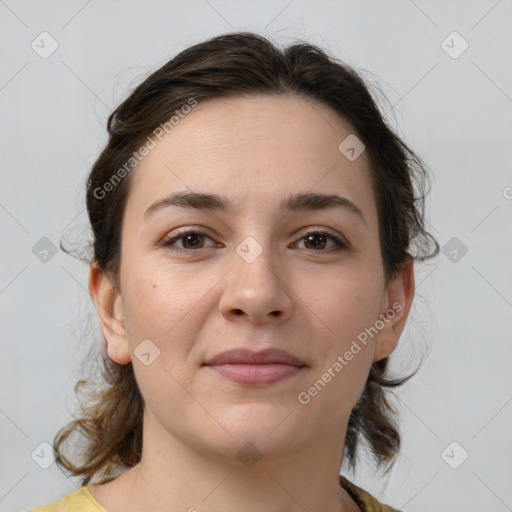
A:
x: 325, y: 230
x: 179, y: 233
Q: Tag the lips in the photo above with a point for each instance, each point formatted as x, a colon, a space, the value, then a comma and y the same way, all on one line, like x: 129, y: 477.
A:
x: 245, y: 356
x: 256, y: 368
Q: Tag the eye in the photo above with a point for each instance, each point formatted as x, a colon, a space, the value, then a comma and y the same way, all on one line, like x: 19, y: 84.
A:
x: 191, y: 238
x: 318, y: 240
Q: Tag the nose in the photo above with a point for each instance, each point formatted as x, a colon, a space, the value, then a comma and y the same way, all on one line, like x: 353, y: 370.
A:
x: 257, y: 290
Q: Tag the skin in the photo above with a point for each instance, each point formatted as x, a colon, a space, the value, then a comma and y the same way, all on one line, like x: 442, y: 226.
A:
x: 312, y: 302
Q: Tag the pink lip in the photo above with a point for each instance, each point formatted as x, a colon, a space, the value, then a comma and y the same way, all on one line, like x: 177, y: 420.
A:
x: 256, y: 368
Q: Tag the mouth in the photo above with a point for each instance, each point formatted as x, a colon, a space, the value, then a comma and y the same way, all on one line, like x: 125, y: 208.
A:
x: 256, y: 368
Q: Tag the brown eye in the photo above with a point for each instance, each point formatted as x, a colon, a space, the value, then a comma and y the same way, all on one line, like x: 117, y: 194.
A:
x: 190, y: 240
x: 317, y: 241
x: 194, y: 241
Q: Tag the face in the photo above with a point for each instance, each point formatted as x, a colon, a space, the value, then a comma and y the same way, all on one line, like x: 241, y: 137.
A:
x: 196, y: 282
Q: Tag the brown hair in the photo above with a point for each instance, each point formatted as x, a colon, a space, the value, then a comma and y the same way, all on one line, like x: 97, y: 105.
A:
x: 239, y: 64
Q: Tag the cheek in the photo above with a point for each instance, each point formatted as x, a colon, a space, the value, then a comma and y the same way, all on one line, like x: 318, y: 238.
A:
x: 160, y: 338
x: 157, y: 296
x: 168, y: 307
x: 348, y: 305
x: 344, y: 350
x: 347, y: 302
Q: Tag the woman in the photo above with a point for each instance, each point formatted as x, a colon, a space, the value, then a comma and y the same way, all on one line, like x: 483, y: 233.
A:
x: 254, y: 221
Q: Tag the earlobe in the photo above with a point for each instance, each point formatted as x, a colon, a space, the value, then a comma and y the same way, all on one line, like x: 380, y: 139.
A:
x: 396, y: 304
x: 109, y: 306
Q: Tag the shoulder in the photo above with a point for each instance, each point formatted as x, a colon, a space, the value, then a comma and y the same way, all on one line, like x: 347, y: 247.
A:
x: 365, y: 500
x: 79, y: 501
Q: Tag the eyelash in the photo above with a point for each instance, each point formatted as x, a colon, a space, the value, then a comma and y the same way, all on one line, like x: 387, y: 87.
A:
x: 168, y: 241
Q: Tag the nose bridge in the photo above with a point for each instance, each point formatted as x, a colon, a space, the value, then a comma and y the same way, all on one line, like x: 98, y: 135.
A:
x: 254, y: 262
x: 255, y: 286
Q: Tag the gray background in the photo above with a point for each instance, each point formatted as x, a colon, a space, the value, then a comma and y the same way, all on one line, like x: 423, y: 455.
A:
x: 456, y: 112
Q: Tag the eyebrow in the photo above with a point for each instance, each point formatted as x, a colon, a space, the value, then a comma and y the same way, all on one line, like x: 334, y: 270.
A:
x: 309, y: 201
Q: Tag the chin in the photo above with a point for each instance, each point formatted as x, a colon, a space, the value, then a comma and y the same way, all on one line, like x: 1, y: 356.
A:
x: 256, y: 430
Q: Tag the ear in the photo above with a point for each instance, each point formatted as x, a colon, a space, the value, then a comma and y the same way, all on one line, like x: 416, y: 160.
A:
x: 396, y: 302
x: 109, y: 307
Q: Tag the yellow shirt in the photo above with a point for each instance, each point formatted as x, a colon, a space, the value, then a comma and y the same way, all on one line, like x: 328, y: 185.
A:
x: 83, y: 501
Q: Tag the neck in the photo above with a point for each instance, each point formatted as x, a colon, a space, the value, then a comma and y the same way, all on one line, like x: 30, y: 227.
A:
x: 191, y: 480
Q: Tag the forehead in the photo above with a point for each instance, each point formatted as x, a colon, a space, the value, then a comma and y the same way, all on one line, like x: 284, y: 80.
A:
x: 254, y: 150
